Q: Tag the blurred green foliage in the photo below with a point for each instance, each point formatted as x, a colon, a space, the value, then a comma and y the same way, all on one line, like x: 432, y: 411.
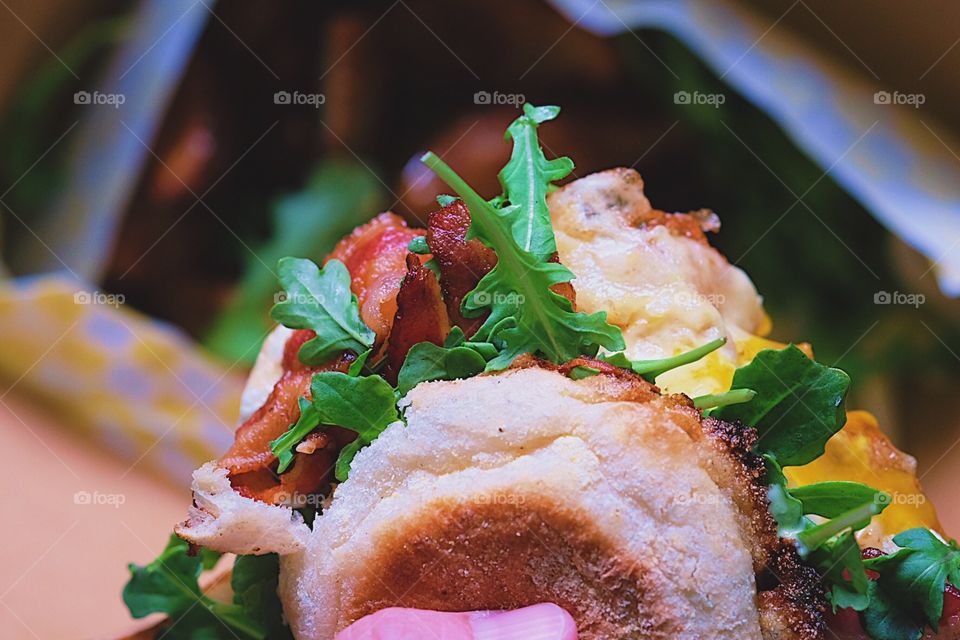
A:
x: 306, y: 224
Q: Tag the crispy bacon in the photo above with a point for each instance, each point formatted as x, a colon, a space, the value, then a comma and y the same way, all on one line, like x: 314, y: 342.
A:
x: 462, y: 262
x: 291, y: 349
x: 421, y: 315
x: 564, y: 288
x: 251, y: 448
x: 308, y: 474
x: 374, y: 254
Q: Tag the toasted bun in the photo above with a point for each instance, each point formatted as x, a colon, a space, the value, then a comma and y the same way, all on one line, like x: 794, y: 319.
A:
x: 508, y: 490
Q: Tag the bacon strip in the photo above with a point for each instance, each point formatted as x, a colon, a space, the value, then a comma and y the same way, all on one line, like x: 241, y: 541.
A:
x: 251, y: 448
x: 462, y: 262
x: 421, y: 316
x: 374, y: 254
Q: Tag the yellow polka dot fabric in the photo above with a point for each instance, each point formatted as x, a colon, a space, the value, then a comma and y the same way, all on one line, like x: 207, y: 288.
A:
x: 139, y: 388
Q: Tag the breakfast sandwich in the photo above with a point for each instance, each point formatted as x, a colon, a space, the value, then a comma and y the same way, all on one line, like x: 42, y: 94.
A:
x: 560, y: 394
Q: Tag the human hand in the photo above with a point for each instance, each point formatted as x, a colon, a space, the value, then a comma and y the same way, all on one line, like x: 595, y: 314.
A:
x: 539, y: 622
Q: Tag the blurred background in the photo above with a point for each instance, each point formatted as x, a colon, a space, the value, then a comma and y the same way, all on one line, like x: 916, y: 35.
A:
x: 157, y: 157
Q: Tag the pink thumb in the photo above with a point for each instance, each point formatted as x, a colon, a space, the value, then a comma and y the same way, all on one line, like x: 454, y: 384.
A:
x: 539, y: 622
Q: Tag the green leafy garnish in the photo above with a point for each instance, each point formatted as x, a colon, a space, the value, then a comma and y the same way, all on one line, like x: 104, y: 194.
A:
x: 357, y: 365
x: 363, y: 404
x: 526, y: 180
x: 254, y: 581
x: 419, y: 246
x: 831, y: 499
x: 911, y: 581
x: 785, y: 509
x: 886, y: 617
x: 717, y: 400
x: 525, y: 315
x: 583, y: 371
x: 798, y: 406
x: 169, y: 585
x: 283, y: 446
x: 831, y: 559
x: 458, y: 358
x: 652, y: 369
x: 856, y: 518
x: 829, y: 547
x: 320, y: 299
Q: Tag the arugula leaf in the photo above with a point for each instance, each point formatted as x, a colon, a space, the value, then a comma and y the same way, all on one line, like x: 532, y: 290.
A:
x: 363, y: 404
x: 830, y: 547
x: 582, y: 371
x: 320, y: 299
x: 426, y: 361
x: 419, y: 246
x: 916, y: 575
x: 887, y: 619
x: 652, y: 369
x: 283, y: 447
x: 831, y: 499
x: 526, y: 180
x: 169, y: 585
x: 254, y: 582
x: 856, y: 518
x: 525, y: 315
x: 830, y: 560
x: 456, y: 338
x: 717, y: 400
x: 785, y: 509
x: 357, y: 365
x: 798, y: 407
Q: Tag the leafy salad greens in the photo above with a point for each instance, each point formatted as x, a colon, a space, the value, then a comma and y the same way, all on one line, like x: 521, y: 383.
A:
x: 170, y: 585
